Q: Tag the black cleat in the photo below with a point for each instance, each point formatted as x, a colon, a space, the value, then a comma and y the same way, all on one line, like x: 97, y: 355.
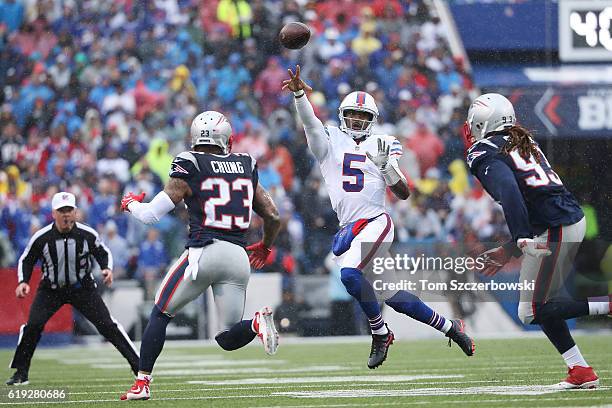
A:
x: 19, y: 378
x: 458, y: 335
x: 380, y: 348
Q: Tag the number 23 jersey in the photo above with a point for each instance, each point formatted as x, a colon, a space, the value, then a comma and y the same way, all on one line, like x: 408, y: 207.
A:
x: 507, y: 177
x: 223, y: 188
x: 356, y: 186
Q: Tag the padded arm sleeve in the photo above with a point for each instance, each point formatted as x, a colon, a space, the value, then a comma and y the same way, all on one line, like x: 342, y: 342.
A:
x: 150, y: 213
x: 316, y: 135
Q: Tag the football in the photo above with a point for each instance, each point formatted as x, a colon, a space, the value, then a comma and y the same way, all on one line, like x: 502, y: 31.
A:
x: 294, y: 35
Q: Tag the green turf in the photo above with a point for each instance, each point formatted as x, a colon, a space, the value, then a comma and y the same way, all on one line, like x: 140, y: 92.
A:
x: 498, y: 363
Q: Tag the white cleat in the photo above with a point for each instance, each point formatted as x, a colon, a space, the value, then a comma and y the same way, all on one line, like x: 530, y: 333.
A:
x: 263, y: 323
x: 139, y: 391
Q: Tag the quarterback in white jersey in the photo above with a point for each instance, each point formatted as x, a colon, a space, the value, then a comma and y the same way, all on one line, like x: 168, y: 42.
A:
x: 358, y: 167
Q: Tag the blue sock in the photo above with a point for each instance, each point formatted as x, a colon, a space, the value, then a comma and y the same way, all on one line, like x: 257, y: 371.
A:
x: 239, y: 335
x: 358, y: 287
x: 153, y: 339
x: 410, y: 305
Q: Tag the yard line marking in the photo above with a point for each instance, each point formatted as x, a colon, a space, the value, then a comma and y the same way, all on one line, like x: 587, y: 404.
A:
x: 237, y: 371
x: 403, y: 403
x: 294, y: 380
x: 119, y: 359
x: 120, y: 386
x: 267, y: 387
x: 184, y: 364
x: 417, y: 392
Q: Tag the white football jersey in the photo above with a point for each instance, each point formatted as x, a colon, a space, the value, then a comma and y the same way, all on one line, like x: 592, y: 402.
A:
x: 356, y: 186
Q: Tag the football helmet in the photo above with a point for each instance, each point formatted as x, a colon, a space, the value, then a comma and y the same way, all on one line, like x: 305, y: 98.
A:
x: 211, y: 128
x: 488, y: 113
x: 361, y: 102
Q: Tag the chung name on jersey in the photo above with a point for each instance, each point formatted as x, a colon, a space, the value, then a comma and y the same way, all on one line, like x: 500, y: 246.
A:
x: 227, y: 167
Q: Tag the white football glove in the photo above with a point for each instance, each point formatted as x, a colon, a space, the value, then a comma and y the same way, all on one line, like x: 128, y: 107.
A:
x: 382, y: 158
x: 533, y: 248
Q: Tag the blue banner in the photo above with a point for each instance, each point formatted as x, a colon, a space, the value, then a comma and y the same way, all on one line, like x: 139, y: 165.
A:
x: 584, y: 112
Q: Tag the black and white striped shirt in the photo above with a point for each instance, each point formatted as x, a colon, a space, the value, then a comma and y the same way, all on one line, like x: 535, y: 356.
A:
x: 66, y: 257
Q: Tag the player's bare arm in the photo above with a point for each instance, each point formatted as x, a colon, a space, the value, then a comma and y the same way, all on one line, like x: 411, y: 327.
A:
x: 316, y: 135
x: 177, y: 189
x: 401, y: 190
x: 266, y: 209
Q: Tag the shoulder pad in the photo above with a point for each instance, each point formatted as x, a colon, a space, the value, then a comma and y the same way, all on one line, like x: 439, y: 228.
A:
x: 183, y: 165
x: 480, y: 150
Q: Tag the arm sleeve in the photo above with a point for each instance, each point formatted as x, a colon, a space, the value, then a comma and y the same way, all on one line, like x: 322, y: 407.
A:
x: 150, y: 213
x: 497, y: 178
x: 101, y: 252
x: 27, y: 260
x: 316, y: 135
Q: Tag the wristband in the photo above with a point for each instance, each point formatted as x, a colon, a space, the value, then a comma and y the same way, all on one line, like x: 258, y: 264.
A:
x: 390, y: 175
x: 299, y: 94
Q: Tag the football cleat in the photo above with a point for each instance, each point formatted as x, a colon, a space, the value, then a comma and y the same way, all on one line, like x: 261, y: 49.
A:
x: 579, y: 377
x: 139, y: 391
x: 458, y: 335
x: 380, y: 348
x: 263, y: 325
x: 19, y: 378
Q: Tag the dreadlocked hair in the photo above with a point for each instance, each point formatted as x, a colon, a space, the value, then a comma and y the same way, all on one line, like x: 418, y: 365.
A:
x: 521, y: 140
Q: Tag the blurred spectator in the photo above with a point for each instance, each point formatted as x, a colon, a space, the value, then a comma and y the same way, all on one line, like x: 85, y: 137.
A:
x: 366, y: 43
x: 119, y: 248
x: 152, y: 261
x: 426, y: 145
x: 266, y: 86
x: 331, y: 47
x: 237, y: 14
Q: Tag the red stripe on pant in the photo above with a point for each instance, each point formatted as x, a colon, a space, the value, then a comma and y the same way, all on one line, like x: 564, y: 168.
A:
x: 547, y: 270
x: 382, y: 236
x: 170, y: 279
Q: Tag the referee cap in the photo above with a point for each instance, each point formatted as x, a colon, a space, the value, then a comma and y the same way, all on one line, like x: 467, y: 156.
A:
x: 63, y: 199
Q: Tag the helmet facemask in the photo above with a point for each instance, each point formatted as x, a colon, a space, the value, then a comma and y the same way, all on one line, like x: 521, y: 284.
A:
x: 357, y: 123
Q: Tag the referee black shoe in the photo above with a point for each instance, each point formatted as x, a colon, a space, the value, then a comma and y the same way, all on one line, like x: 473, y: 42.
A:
x: 19, y: 378
x: 380, y: 348
x: 459, y: 336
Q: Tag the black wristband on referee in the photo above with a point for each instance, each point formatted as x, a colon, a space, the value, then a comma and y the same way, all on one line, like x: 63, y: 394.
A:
x: 299, y: 94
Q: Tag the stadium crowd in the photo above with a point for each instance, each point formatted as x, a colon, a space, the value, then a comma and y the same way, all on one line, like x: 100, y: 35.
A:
x: 98, y: 96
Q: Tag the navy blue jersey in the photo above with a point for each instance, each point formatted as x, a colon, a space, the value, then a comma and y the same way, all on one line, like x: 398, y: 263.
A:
x: 531, y: 193
x: 223, y: 188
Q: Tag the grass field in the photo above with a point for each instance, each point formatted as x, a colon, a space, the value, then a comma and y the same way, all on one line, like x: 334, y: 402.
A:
x: 508, y: 373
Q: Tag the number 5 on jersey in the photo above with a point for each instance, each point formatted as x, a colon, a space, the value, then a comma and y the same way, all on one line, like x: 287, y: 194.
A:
x: 214, y: 217
x: 355, y: 184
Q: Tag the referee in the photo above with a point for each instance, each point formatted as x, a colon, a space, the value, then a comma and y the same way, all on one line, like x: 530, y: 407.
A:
x: 65, y: 249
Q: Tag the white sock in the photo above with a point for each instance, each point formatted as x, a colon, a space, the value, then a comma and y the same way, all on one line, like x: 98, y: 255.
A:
x: 147, y: 377
x: 382, y: 331
x: 599, y: 305
x: 446, y: 326
x: 573, y: 357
